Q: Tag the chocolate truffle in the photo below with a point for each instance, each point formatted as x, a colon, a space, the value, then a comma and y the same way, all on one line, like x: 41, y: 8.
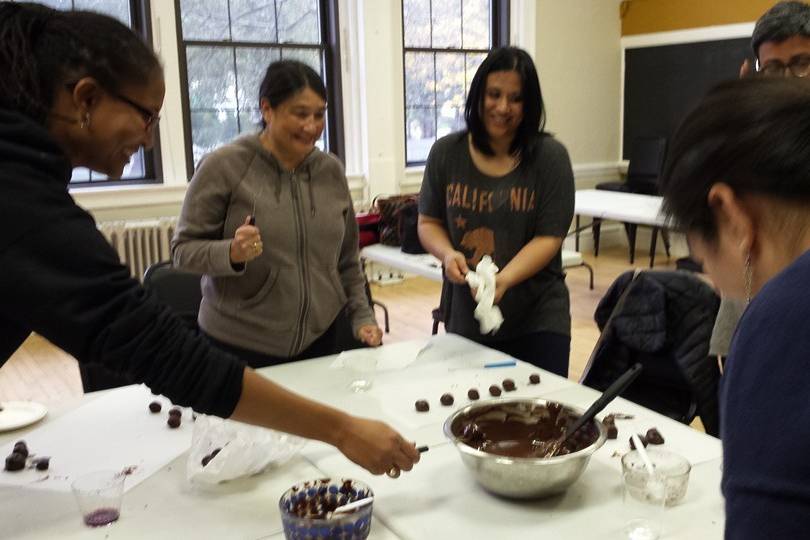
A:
x: 534, y: 378
x: 612, y: 432
x: 42, y: 463
x: 508, y: 385
x: 15, y: 462
x: 472, y: 393
x: 155, y: 407
x: 175, y: 412
x: 494, y: 390
x: 174, y: 422
x: 422, y: 405
x: 643, y: 441
x: 654, y: 436
x: 447, y: 399
x: 20, y: 448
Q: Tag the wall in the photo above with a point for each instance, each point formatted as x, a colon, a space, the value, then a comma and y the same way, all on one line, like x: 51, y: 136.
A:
x: 647, y: 16
x: 578, y: 59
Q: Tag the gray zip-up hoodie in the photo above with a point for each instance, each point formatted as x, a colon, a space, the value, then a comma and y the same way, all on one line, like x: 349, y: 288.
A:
x: 283, y: 300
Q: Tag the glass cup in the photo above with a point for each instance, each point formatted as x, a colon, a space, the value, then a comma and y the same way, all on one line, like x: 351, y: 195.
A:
x: 98, y: 495
x: 644, y: 498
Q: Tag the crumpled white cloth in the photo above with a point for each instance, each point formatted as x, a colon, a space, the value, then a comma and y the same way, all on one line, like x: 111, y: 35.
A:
x: 487, y: 314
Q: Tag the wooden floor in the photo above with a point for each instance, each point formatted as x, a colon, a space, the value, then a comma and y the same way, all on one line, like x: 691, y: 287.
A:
x: 39, y: 371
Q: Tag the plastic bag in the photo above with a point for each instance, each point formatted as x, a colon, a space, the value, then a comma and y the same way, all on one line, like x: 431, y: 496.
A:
x: 244, y: 450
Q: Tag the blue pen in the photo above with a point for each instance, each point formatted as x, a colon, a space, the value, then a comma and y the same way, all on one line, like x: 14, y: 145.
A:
x: 505, y: 363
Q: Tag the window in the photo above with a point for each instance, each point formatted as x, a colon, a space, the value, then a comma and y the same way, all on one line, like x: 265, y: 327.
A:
x: 226, y: 48
x: 444, y: 42
x: 133, y: 13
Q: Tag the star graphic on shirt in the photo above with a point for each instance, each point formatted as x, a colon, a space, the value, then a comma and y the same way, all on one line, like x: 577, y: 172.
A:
x: 460, y: 222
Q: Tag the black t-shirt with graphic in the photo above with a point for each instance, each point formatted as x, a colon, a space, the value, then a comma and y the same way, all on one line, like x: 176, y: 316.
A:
x: 498, y: 216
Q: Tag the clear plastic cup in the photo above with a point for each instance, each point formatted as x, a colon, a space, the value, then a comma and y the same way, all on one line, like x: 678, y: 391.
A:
x: 363, y: 368
x: 98, y: 495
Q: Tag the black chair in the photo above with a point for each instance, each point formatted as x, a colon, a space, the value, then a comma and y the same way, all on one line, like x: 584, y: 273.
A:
x: 646, y: 160
x: 664, y: 320
x: 177, y: 289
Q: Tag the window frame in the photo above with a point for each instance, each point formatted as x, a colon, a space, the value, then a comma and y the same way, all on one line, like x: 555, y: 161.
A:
x: 499, y: 26
x: 329, y: 45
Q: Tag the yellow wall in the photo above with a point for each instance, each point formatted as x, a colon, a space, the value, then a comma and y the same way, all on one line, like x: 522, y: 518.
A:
x: 645, y: 16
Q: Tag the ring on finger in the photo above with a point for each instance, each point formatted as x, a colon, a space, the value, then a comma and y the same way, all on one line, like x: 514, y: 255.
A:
x: 393, y: 472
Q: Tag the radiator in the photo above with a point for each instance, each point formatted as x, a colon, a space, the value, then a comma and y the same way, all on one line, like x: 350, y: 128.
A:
x: 140, y: 244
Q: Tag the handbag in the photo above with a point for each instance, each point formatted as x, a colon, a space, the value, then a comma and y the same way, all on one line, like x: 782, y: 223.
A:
x: 368, y: 225
x: 388, y: 208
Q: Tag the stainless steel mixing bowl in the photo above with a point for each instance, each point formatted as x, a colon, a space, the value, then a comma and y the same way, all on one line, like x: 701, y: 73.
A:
x: 523, y: 478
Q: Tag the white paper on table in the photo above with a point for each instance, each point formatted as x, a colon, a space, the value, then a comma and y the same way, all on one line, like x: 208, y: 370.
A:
x: 385, y: 358
x: 114, y: 432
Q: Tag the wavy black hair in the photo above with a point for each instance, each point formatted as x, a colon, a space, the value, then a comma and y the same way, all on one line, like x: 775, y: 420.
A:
x: 534, y: 115
x: 42, y: 49
x: 752, y: 134
x: 285, y: 78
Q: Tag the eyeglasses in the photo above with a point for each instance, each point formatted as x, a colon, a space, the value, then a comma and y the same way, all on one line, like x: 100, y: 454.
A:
x: 798, y: 66
x: 150, y: 118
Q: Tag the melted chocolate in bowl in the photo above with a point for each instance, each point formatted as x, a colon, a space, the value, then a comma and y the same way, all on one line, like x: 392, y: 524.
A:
x: 522, y: 430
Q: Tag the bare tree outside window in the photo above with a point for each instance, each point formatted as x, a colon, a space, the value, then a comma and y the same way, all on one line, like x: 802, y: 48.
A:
x: 228, y: 45
x: 444, y: 42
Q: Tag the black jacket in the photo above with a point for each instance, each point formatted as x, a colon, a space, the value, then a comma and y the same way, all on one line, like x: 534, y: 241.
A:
x: 665, y: 322
x: 60, y: 278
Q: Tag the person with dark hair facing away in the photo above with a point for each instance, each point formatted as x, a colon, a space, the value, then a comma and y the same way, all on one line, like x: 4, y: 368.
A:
x: 504, y: 188
x: 736, y: 181
x: 781, y: 45
x: 280, y: 303
x: 81, y: 89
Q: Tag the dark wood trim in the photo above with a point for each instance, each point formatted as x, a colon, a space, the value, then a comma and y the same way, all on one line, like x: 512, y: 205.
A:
x: 330, y: 37
x: 185, y: 104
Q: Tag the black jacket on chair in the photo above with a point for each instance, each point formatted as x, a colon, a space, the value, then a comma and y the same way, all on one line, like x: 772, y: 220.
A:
x: 665, y: 322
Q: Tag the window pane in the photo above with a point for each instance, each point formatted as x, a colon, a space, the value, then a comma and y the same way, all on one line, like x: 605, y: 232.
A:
x: 473, y: 62
x: 450, y: 91
x: 446, y: 16
x: 419, y: 80
x: 254, y: 20
x: 298, y: 21
x: 251, y: 64
x: 311, y: 57
x: 135, y: 168
x: 421, y: 132
x: 205, y: 19
x: 80, y: 174
x: 210, y: 130
x: 211, y: 80
x: 114, y: 8
x: 416, y: 21
x: 250, y: 121
x: 476, y: 22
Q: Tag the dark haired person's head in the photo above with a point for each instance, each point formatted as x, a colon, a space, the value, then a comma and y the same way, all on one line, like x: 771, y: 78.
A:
x: 505, y: 103
x: 292, y: 99
x: 781, y: 40
x: 93, y: 83
x: 737, y: 177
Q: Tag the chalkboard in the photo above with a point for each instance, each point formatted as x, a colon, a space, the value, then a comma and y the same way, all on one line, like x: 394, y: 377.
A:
x: 662, y: 84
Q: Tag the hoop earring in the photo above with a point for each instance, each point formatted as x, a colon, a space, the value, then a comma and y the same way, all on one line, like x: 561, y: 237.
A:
x: 749, y: 277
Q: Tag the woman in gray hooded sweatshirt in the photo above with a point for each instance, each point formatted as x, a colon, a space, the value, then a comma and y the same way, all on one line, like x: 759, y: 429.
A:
x: 277, y: 301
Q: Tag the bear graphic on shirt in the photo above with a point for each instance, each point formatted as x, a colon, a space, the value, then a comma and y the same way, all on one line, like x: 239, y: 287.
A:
x: 480, y: 242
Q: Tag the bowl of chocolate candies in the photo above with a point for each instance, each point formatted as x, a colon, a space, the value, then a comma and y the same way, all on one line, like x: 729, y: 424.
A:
x: 514, y: 447
x: 312, y: 510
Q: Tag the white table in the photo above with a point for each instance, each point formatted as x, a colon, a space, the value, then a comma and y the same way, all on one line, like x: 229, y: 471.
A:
x: 430, y: 267
x: 439, y: 499
x: 630, y: 208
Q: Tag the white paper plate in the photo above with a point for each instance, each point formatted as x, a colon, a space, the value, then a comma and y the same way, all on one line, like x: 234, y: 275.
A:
x: 18, y: 414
